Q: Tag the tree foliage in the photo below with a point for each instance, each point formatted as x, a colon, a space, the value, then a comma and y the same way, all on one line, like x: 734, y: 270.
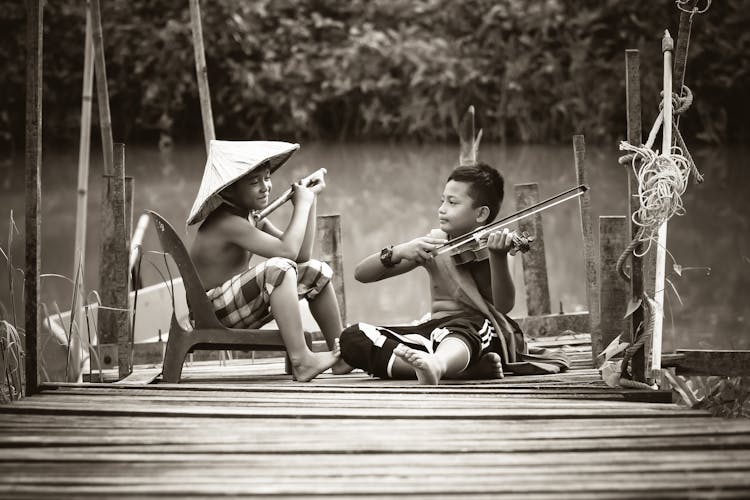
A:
x: 362, y: 69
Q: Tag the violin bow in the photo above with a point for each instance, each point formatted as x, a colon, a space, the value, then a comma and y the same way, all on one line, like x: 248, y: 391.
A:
x: 284, y: 197
x: 479, y: 232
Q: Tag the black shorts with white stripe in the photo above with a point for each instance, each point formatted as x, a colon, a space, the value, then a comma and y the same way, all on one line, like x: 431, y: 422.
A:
x: 370, y: 347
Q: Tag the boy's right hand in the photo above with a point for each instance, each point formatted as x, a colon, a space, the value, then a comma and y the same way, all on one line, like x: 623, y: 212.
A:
x: 419, y: 249
x: 301, y: 194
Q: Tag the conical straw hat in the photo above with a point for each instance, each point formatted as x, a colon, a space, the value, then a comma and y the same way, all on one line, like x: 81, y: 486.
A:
x: 228, y: 161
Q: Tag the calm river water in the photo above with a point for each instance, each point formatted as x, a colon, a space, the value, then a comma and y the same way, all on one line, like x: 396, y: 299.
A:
x: 388, y: 193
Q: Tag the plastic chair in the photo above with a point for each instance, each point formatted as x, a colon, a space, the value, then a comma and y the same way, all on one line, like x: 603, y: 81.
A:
x: 208, y: 333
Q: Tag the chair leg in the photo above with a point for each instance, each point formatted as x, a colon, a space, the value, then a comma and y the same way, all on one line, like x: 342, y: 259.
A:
x: 175, y: 354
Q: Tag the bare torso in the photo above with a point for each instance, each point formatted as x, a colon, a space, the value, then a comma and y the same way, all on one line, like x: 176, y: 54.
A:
x: 215, y: 257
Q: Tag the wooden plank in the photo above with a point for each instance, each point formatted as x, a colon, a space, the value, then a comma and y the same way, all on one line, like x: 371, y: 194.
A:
x: 724, y: 363
x: 201, y: 72
x: 332, y: 253
x: 33, y: 195
x: 613, y: 236
x: 640, y: 270
x: 554, y: 324
x: 534, y: 261
x: 587, y: 231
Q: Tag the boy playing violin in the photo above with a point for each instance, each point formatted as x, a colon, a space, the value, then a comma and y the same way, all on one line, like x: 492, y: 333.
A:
x: 236, y: 183
x: 469, y: 333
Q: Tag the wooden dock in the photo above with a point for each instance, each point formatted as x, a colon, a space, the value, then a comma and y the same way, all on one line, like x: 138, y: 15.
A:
x: 247, y: 430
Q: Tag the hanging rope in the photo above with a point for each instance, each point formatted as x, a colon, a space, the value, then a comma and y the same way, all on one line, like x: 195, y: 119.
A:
x: 684, y: 5
x: 662, y: 180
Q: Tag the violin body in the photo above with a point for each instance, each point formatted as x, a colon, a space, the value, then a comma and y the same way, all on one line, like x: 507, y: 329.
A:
x: 479, y: 251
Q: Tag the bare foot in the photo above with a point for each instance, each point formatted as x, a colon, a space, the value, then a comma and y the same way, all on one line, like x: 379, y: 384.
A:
x: 341, y: 367
x: 426, y: 366
x: 489, y: 366
x: 313, y: 365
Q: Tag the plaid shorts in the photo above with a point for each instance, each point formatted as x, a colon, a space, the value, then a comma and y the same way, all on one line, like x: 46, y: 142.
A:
x: 243, y: 301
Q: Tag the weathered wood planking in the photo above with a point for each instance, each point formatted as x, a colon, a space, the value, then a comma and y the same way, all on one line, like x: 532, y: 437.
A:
x: 565, y: 435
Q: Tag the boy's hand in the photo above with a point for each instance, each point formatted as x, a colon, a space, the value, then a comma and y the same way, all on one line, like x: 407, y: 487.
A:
x: 500, y: 241
x: 317, y: 182
x: 301, y: 194
x: 419, y: 250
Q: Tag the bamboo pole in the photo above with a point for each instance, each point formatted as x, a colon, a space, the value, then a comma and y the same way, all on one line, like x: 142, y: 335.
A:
x: 84, y: 149
x: 102, y: 93
x: 33, y: 189
x: 635, y: 136
x: 667, y: 45
x: 201, y: 72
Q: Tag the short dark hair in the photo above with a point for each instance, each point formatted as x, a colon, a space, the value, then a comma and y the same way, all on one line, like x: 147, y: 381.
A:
x: 486, y: 185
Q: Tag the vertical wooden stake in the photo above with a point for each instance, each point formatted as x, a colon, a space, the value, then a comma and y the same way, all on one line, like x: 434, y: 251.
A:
x: 635, y: 137
x: 202, y: 73
x: 129, y: 193
x: 667, y: 45
x: 32, y: 316
x: 613, y: 238
x: 119, y: 270
x: 534, y: 261
x: 331, y: 252
x: 592, y: 282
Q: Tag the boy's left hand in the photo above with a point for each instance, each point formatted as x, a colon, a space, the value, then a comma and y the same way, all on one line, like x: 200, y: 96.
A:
x: 317, y: 182
x: 500, y: 241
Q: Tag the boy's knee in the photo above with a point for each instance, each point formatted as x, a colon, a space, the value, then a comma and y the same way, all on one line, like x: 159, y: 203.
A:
x: 322, y: 269
x: 274, y: 272
x: 275, y: 264
x: 313, y: 277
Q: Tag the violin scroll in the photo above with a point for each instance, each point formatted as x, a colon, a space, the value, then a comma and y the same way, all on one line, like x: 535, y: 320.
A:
x: 521, y: 243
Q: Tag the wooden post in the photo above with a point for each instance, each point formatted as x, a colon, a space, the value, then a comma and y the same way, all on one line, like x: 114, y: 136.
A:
x: 331, y: 252
x: 667, y: 45
x: 592, y: 283
x: 613, y: 238
x: 681, y: 51
x: 129, y: 193
x: 32, y: 315
x: 534, y: 261
x: 117, y: 273
x: 635, y: 137
x: 202, y: 73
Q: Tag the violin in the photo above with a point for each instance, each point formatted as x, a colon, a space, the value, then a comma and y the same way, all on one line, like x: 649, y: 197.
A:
x: 479, y: 251
x: 472, y: 246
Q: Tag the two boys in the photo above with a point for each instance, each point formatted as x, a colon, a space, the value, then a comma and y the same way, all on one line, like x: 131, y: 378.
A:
x: 468, y: 335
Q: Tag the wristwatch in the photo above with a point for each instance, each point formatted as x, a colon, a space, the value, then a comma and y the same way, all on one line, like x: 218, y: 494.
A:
x: 386, y: 255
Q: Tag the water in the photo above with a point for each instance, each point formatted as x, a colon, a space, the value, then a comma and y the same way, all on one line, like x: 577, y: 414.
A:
x: 389, y: 193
